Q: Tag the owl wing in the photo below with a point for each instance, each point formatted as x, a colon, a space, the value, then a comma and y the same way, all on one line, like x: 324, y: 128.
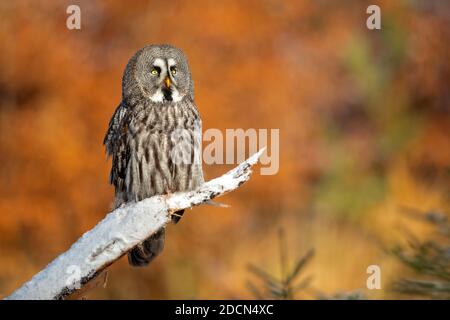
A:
x: 115, y: 143
x: 113, y: 128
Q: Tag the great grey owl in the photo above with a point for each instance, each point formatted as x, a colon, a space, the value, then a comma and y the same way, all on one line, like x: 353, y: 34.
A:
x: 154, y: 136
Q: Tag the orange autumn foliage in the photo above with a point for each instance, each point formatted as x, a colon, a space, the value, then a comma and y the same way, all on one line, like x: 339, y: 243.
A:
x: 363, y: 118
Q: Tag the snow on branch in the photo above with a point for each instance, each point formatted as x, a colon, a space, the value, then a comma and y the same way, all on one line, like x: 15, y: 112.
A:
x: 118, y: 233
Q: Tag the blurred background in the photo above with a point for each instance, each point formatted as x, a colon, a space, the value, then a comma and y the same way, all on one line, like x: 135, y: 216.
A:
x: 364, y: 140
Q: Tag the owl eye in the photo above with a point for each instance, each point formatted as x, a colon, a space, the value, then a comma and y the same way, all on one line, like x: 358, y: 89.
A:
x: 173, y: 70
x: 155, y: 71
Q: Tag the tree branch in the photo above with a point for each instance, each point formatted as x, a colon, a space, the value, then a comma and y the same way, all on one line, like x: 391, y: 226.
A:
x: 119, y: 232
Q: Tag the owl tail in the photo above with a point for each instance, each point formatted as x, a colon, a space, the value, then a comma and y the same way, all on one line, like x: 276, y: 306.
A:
x: 145, y: 252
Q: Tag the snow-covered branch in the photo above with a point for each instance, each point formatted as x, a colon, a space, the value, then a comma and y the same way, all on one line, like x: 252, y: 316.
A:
x: 119, y: 232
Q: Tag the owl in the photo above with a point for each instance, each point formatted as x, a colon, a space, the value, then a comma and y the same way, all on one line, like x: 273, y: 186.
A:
x: 154, y: 136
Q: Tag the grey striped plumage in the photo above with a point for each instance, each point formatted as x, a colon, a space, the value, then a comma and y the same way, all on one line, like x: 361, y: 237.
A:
x: 154, y: 136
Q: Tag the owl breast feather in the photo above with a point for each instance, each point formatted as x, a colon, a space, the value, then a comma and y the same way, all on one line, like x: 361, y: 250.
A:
x: 164, y: 147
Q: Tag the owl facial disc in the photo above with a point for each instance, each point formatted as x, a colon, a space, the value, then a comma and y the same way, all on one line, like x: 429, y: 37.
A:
x: 167, y: 90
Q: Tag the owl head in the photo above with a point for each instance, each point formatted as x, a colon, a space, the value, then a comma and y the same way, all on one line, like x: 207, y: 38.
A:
x: 159, y: 73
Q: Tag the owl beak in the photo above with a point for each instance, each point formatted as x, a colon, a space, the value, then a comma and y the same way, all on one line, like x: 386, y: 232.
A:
x: 167, y: 82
